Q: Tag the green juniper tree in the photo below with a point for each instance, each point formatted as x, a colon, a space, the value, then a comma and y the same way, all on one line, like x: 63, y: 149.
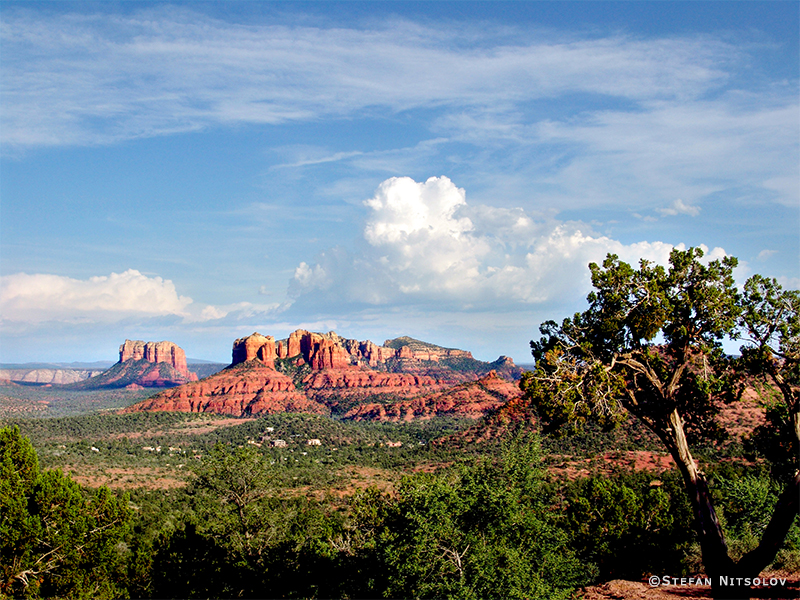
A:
x: 54, y: 541
x: 650, y: 345
x: 481, y: 531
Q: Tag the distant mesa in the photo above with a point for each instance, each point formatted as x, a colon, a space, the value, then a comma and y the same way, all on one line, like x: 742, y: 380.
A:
x: 328, y: 374
x: 46, y: 376
x: 143, y: 365
x: 155, y: 352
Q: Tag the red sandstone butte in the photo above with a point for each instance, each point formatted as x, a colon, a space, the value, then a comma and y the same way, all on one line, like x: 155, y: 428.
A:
x: 340, y: 369
x: 156, y: 352
x: 254, y: 346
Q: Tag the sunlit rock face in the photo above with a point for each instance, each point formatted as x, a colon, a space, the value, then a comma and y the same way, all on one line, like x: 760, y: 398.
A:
x: 325, y: 373
x: 254, y: 346
x: 155, y: 352
x: 247, y: 388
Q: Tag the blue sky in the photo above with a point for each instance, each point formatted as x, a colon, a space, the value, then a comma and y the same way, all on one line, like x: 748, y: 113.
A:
x: 445, y: 170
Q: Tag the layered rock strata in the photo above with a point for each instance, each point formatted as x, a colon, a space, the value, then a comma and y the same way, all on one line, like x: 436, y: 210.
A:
x: 249, y: 388
x: 48, y: 376
x: 254, y: 346
x: 155, y: 352
x: 471, y: 400
x: 143, y: 364
x: 330, y: 373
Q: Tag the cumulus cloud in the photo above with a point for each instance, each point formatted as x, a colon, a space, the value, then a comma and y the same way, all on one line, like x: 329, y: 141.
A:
x: 425, y: 244
x: 27, y: 299
x: 43, y: 297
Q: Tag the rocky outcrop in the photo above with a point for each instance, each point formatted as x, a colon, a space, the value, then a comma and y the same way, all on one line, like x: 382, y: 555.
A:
x: 321, y: 351
x: 155, y: 352
x: 404, y: 354
x: 326, y: 354
x: 411, y: 349
x: 254, y: 346
x: 247, y: 388
x: 341, y: 389
x: 143, y: 364
x: 469, y: 400
x: 316, y: 372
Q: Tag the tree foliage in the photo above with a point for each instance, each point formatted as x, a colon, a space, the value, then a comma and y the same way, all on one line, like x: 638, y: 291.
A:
x: 54, y: 541
x: 650, y: 345
x: 629, y: 525
x: 483, y: 531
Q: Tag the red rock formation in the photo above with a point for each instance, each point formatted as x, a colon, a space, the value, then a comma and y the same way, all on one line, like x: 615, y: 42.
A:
x: 471, y: 400
x: 326, y: 354
x: 339, y: 377
x: 254, y: 346
x: 293, y: 344
x: 156, y: 352
x: 409, y: 348
x: 361, y: 353
x: 405, y: 352
x: 250, y: 388
x: 321, y: 351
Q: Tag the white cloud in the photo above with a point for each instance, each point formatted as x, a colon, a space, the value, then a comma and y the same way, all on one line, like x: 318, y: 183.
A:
x: 680, y: 208
x: 87, y: 79
x: 27, y: 299
x: 426, y: 245
x: 682, y: 117
x: 766, y: 254
x: 43, y: 297
x: 789, y: 283
x: 234, y: 313
x: 668, y: 150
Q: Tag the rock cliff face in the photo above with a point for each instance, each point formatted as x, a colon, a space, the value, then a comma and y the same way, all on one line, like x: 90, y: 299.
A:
x: 48, y: 376
x: 143, y: 364
x: 155, y: 352
x: 403, y: 354
x: 254, y: 346
x: 321, y: 351
x: 315, y: 372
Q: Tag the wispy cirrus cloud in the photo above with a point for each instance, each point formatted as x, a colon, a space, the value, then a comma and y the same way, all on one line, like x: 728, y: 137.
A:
x: 679, y: 207
x: 669, y: 150
x: 675, y: 124
x: 85, y: 79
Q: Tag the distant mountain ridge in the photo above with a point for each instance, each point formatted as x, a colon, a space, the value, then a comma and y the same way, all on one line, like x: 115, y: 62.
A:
x: 74, y: 372
x: 97, y: 365
x: 47, y: 375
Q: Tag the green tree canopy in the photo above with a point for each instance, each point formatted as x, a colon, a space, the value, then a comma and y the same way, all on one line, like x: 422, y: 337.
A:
x: 482, y: 531
x: 54, y: 540
x: 650, y: 345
